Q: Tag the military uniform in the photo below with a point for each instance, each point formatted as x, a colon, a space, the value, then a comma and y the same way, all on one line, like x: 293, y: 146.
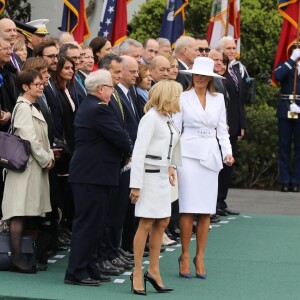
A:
x: 288, y: 129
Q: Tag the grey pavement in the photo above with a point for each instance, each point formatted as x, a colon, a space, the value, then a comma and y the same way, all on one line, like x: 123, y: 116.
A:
x: 264, y: 202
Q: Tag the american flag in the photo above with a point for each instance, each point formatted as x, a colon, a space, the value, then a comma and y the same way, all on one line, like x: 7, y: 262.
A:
x: 2, y: 6
x: 113, y: 24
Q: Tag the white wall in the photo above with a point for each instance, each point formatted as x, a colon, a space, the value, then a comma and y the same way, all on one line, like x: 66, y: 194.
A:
x: 52, y: 10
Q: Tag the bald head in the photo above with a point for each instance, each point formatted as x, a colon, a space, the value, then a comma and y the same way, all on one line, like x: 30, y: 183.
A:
x: 8, y: 30
x: 159, y: 68
x: 186, y: 50
x: 130, y: 71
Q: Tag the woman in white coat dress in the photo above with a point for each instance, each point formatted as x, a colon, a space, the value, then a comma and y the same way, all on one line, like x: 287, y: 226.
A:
x: 157, y: 147
x: 26, y: 194
x: 202, y: 121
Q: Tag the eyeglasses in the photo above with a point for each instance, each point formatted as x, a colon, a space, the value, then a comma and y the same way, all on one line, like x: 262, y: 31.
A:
x: 110, y: 86
x: 88, y: 57
x: 134, y: 71
x: 203, y: 49
x: 7, y: 49
x: 76, y: 58
x: 52, y: 56
x: 38, y: 85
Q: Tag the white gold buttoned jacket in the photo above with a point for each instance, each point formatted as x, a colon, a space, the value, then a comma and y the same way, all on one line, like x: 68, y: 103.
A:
x: 201, y: 129
x: 152, y: 146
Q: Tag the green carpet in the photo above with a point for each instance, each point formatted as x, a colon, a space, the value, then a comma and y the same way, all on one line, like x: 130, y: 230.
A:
x: 250, y: 257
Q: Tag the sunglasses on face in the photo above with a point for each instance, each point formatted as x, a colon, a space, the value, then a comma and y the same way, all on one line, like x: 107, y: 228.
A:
x: 204, y: 49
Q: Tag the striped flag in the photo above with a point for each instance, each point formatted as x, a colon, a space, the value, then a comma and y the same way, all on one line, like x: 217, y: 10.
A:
x: 289, y: 9
x: 172, y: 26
x: 2, y: 6
x: 74, y: 20
x: 224, y: 20
x: 113, y: 23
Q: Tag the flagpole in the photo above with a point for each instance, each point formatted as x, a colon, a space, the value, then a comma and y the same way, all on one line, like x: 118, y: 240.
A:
x: 296, y: 65
x: 227, y: 17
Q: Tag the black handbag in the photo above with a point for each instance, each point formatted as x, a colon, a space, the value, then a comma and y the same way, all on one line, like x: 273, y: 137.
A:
x: 5, y: 251
x: 14, y: 151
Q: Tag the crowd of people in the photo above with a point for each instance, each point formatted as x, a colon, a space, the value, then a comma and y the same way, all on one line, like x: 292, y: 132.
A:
x: 111, y: 130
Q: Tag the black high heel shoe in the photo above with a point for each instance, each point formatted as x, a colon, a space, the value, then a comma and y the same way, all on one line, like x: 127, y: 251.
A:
x: 160, y: 289
x: 137, y: 292
x: 22, y: 269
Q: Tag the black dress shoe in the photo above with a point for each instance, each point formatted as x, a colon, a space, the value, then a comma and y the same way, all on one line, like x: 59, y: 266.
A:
x: 231, y: 212
x: 85, y: 281
x: 126, y: 261
x: 214, y: 219
x: 126, y: 254
x: 119, y: 264
x: 285, y: 188
x: 101, y: 277
x: 108, y: 270
x: 295, y: 188
x: 222, y: 212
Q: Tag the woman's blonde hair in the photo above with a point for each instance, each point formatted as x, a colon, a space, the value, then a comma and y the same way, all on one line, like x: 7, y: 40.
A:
x: 18, y: 45
x: 165, y: 97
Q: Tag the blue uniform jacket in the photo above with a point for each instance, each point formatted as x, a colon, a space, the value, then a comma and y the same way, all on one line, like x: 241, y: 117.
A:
x: 284, y: 73
x: 99, y: 143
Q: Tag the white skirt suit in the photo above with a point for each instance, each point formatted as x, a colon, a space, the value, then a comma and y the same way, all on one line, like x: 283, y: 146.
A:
x: 156, y: 148
x: 202, y: 158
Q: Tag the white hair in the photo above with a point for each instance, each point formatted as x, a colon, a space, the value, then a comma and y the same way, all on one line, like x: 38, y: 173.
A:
x: 184, y: 41
x: 125, y: 45
x: 163, y: 42
x: 96, y: 78
x: 224, y: 39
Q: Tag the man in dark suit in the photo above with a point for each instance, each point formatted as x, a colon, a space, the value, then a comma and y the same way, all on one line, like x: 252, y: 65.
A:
x: 129, y: 76
x: 185, y: 51
x: 109, y: 244
x: 94, y: 169
x: 235, y: 119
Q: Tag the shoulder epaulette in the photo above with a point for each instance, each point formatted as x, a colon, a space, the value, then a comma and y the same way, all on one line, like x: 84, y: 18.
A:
x: 102, y: 103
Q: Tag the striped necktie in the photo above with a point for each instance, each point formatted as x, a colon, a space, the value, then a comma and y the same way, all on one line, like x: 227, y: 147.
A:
x: 130, y: 101
x: 119, y: 103
x: 234, y: 77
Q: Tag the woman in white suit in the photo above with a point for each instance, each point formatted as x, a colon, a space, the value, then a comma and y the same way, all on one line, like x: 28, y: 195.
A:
x: 202, y: 121
x: 156, y: 148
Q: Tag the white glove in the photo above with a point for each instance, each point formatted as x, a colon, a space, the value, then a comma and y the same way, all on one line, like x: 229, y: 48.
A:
x: 296, y: 54
x: 294, y: 107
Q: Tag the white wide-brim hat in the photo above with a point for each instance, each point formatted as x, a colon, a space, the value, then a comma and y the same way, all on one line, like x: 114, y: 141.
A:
x: 202, y: 66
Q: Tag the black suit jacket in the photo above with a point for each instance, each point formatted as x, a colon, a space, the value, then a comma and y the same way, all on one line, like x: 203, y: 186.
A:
x: 138, y: 104
x: 67, y: 118
x: 235, y: 107
x: 131, y: 120
x: 221, y: 88
x: 99, y: 143
x: 117, y: 111
x: 184, y: 79
x: 41, y: 106
x: 56, y: 108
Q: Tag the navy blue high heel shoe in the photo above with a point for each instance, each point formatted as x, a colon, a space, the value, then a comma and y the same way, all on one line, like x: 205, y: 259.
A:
x: 200, y: 276
x: 183, y: 275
